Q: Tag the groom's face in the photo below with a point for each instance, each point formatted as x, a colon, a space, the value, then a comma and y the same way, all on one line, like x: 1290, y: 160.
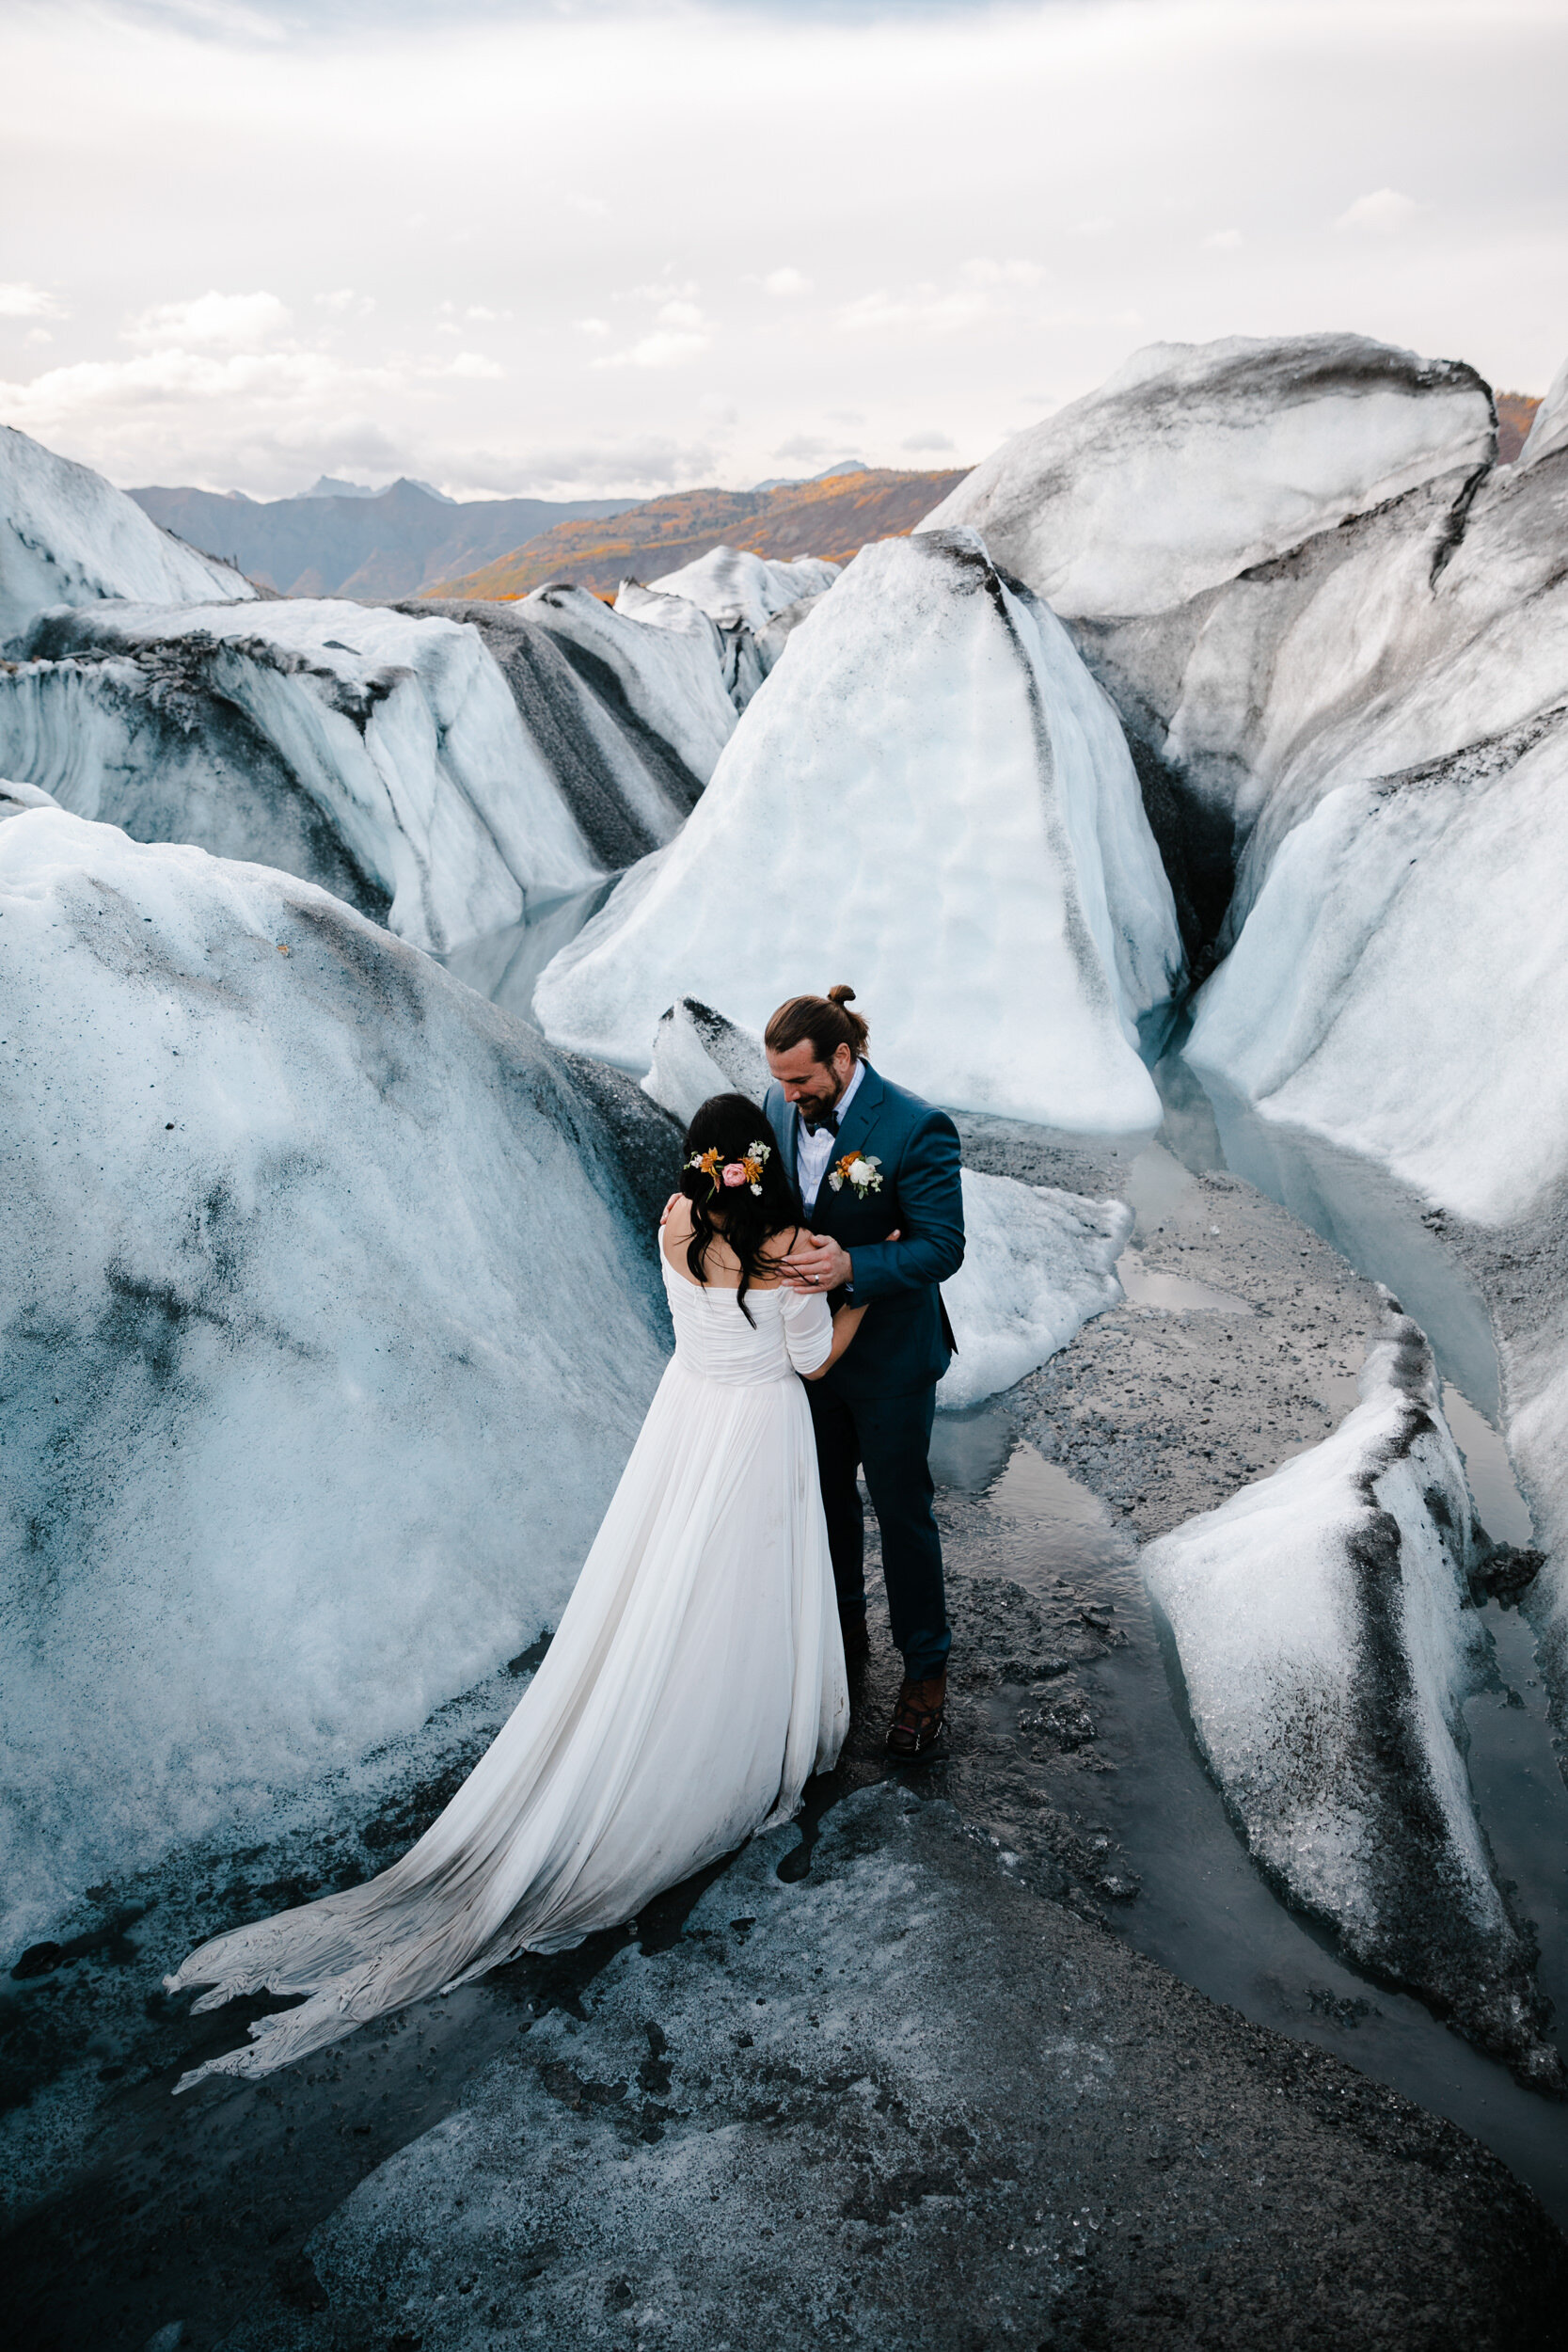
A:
x: 814, y: 1086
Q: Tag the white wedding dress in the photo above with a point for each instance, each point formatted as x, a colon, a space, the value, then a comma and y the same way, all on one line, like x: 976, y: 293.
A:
x: 694, y: 1684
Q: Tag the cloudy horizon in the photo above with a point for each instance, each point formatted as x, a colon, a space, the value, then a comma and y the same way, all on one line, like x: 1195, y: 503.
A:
x: 607, y: 248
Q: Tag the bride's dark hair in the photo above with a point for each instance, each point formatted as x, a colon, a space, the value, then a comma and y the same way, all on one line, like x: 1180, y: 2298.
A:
x: 728, y: 1125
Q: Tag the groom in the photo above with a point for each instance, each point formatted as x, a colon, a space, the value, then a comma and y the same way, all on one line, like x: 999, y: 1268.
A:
x: 871, y: 1160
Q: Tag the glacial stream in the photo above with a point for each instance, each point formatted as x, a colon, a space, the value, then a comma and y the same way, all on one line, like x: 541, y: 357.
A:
x: 1203, y: 1910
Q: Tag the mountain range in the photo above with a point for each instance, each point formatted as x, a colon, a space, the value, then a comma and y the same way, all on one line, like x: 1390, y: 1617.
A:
x: 833, y: 517
x: 395, y: 542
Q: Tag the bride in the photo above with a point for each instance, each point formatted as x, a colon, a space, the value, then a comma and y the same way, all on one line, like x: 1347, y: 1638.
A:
x: 694, y: 1684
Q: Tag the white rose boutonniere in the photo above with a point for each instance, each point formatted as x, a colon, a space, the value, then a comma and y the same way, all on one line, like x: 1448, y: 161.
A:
x: 858, y: 1169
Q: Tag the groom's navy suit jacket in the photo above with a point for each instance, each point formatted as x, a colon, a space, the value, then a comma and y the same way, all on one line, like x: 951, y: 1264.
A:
x: 902, y: 1347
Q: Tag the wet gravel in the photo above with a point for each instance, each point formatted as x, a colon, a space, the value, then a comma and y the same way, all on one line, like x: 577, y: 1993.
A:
x: 895, y: 2076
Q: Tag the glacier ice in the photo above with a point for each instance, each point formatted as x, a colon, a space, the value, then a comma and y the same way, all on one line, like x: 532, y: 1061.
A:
x: 1197, y: 461
x: 698, y: 1053
x: 327, y: 1317
x: 738, y: 590
x: 67, y: 536
x: 15, y: 799
x: 630, y: 723
x: 1037, y: 1262
x: 933, y: 799
x: 1399, y: 978
x: 750, y: 604
x: 782, y: 628
x: 379, y: 755
x: 1321, y: 1620
x: 1548, y: 431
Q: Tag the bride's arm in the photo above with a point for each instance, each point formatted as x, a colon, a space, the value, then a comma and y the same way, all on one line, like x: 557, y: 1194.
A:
x: 846, y: 1322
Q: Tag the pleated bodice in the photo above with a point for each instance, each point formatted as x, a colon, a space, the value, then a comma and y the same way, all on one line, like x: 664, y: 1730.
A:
x: 790, y: 1331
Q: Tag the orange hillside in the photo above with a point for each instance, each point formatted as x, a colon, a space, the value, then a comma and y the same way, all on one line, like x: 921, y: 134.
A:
x: 1514, y: 412
x: 833, y: 518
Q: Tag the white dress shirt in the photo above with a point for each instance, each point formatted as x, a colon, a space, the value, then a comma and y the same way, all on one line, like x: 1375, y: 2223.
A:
x: 813, y: 1152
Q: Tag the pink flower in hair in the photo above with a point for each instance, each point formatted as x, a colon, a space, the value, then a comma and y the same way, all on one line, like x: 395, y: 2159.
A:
x: 734, y: 1175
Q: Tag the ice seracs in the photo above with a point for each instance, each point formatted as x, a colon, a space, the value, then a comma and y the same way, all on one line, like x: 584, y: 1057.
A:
x: 935, y: 758
x: 329, y: 1320
x: 1320, y: 1617
x: 380, y: 755
x: 739, y: 590
x: 67, y: 536
x: 1196, y: 461
x: 630, y: 723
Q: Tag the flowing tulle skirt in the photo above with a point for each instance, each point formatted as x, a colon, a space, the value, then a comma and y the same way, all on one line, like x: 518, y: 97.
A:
x: 695, y: 1682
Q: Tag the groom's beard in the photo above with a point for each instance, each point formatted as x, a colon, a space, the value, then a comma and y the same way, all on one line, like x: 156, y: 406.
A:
x: 815, y: 1113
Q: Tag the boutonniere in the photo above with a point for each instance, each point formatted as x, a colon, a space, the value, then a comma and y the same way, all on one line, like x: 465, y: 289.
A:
x: 858, y: 1169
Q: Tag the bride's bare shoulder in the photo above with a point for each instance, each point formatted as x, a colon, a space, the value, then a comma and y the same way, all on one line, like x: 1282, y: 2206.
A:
x: 675, y: 1226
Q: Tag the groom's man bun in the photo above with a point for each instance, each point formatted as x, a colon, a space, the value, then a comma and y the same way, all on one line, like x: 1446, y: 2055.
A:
x: 826, y: 1021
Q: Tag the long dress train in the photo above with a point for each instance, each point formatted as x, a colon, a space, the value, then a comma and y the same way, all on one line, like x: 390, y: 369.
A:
x: 695, y: 1682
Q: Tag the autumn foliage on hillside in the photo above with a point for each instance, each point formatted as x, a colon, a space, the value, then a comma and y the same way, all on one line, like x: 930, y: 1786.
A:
x: 1514, y: 412
x: 832, y: 518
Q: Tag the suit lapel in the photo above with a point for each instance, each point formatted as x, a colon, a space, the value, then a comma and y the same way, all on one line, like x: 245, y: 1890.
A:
x: 855, y: 1132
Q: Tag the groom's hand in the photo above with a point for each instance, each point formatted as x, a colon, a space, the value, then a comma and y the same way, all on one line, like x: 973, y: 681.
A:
x: 817, y: 1263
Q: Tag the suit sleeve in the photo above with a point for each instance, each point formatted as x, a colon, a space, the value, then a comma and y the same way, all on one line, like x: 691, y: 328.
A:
x: 929, y: 1214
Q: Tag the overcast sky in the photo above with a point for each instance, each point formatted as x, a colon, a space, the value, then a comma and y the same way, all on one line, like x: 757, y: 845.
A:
x: 630, y: 246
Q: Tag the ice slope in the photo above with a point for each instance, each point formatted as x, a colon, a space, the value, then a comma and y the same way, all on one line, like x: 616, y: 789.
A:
x: 1399, y: 980
x: 1548, y: 431
x: 736, y: 651
x: 379, y: 755
x: 1197, y: 461
x: 629, y: 722
x: 327, y: 1317
x: 739, y: 590
x: 933, y: 800
x: 67, y: 536
x: 1321, y: 1622
x: 1037, y: 1262
x: 16, y: 798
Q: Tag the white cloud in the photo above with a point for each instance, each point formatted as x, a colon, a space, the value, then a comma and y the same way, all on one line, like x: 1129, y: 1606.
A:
x: 225, y: 321
x: 667, y: 290
x: 933, y: 291
x: 922, y: 311
x: 983, y: 271
x: 20, y: 299
x: 680, y: 333
x: 38, y: 335
x: 665, y: 348
x: 473, y: 367
x: 480, y: 316
x: 1383, y: 213
x: 1225, y: 241
x: 933, y: 441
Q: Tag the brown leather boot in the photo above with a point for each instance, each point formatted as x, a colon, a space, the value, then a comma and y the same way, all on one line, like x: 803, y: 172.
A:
x: 919, y: 1720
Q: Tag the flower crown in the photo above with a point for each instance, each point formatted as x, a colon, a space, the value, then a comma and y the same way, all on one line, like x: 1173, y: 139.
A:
x: 731, y: 1174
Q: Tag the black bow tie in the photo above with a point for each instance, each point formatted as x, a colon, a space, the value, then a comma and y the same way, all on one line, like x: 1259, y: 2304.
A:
x: 815, y: 1126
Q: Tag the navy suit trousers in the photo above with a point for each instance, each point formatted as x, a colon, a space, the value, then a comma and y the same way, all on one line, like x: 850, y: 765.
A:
x: 891, y: 1437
